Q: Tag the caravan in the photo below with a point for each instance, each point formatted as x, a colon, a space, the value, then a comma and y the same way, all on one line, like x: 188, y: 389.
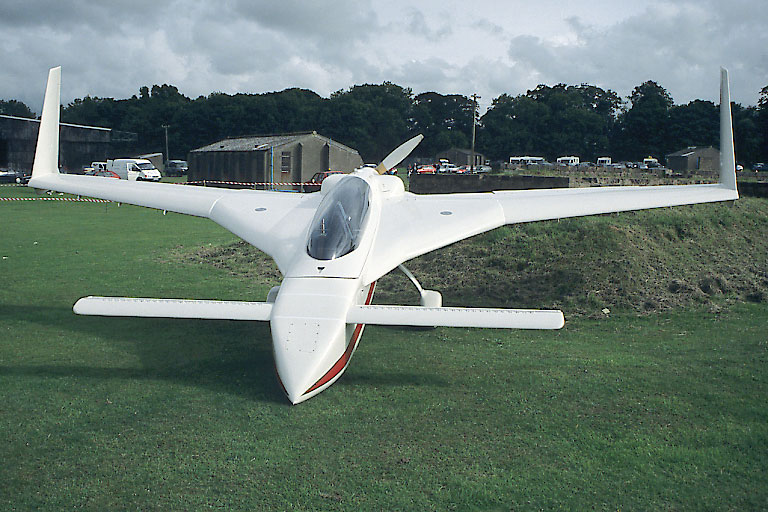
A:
x: 604, y: 161
x: 568, y: 160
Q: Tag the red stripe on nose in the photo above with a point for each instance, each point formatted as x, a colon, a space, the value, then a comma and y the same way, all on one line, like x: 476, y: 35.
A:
x: 344, y: 359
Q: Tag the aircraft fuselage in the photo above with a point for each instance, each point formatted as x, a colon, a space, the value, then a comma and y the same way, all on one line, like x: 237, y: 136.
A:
x: 312, y: 340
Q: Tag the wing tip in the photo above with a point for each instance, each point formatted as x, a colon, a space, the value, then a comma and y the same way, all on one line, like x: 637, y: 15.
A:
x: 46, y: 160
x: 727, y: 153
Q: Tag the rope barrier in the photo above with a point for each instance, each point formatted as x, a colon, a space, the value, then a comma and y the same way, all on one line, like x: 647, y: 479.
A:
x: 67, y: 199
x: 249, y: 184
x: 213, y: 182
x: 204, y: 182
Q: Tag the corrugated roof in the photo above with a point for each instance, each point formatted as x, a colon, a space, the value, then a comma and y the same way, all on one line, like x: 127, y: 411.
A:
x: 691, y: 150
x: 17, y: 118
x: 264, y: 142
x: 462, y: 151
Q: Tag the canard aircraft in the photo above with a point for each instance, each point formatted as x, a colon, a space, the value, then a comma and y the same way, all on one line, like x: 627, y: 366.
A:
x: 332, y: 245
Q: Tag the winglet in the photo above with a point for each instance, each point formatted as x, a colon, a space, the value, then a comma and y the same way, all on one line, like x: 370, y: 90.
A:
x: 727, y: 155
x: 47, y: 152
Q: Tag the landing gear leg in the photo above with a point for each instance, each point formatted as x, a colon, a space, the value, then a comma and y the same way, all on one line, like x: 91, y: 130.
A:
x: 427, y: 298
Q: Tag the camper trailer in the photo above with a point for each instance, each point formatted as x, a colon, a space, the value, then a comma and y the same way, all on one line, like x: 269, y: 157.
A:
x: 603, y: 161
x: 568, y: 160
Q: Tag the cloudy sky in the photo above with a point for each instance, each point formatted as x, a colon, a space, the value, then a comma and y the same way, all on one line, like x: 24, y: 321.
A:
x: 111, y: 48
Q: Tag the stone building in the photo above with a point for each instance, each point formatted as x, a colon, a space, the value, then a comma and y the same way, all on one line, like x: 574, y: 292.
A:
x: 462, y: 156
x: 694, y: 160
x: 288, y: 158
x: 80, y: 145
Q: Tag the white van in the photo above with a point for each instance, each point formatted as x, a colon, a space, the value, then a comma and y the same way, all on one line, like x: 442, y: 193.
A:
x: 134, y: 169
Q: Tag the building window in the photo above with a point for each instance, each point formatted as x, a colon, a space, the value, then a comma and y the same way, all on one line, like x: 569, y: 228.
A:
x: 285, y: 161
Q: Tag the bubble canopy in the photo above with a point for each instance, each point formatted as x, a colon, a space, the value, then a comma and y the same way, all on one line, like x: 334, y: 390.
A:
x: 338, y: 224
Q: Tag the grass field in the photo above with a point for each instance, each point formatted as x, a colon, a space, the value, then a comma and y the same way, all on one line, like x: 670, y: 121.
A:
x: 662, y: 411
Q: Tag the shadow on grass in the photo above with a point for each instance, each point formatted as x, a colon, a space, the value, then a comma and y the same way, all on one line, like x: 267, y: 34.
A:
x: 232, y: 357
x: 220, y: 355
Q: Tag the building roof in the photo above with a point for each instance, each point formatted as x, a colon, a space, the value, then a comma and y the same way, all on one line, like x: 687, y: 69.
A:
x: 461, y: 150
x: 265, y: 142
x: 692, y: 150
x: 62, y: 124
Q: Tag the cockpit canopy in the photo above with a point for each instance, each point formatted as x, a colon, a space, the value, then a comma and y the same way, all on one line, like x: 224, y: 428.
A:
x: 338, y: 224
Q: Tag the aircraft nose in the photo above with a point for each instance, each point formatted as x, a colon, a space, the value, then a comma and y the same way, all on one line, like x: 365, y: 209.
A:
x: 309, y: 333
x: 294, y: 388
x: 305, y: 350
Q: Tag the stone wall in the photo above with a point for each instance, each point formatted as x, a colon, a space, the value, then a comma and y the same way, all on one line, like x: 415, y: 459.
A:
x: 453, y: 183
x: 753, y: 189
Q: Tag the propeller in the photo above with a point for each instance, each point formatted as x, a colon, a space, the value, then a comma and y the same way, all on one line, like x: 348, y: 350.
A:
x: 399, y: 154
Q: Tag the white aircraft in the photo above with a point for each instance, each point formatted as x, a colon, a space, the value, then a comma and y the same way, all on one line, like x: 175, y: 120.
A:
x: 331, y: 246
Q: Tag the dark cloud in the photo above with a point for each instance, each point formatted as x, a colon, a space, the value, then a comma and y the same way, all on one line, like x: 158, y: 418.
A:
x: 417, y: 25
x: 342, y: 21
x: 111, y: 49
x: 678, y: 44
x: 76, y: 14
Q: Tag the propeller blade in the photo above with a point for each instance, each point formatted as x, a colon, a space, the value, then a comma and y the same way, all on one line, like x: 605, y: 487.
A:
x: 399, y: 154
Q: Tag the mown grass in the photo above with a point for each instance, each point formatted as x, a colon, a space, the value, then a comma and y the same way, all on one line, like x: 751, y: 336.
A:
x: 663, y: 411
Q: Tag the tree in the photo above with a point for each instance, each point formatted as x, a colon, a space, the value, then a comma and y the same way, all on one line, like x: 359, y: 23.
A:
x: 746, y: 134
x: 511, y: 127
x: 374, y: 119
x: 94, y: 112
x: 550, y: 121
x: 762, y: 124
x: 15, y: 108
x: 641, y: 129
x: 444, y: 120
x: 297, y: 109
x: 694, y: 124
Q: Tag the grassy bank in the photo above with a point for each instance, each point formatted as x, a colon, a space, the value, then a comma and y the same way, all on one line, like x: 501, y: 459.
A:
x: 654, y: 260
x: 658, y: 411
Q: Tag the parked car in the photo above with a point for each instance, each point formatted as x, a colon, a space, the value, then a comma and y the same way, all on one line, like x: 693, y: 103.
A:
x: 760, y: 167
x: 425, y: 169
x: 96, y: 167
x: 176, y: 168
x: 10, y: 176
x: 314, y: 184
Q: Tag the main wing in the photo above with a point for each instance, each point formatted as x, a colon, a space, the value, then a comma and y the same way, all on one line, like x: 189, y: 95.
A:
x: 274, y: 222
x: 414, y: 224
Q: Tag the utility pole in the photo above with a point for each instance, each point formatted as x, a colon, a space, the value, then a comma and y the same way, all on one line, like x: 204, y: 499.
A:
x: 166, y: 126
x: 475, y: 97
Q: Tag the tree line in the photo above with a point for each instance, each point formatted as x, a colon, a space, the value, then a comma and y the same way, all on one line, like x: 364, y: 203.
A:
x: 550, y: 121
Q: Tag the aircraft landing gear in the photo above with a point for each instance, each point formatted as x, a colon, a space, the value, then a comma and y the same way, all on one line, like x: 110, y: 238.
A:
x: 427, y: 298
